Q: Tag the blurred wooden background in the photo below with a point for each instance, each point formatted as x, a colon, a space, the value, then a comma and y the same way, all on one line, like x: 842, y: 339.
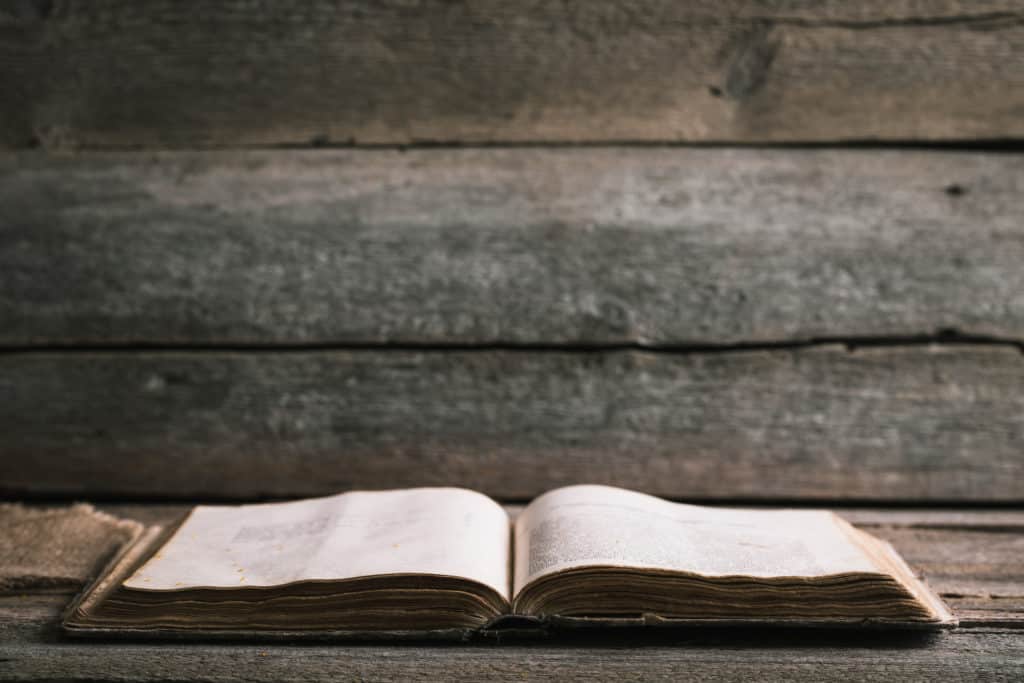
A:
x: 265, y: 249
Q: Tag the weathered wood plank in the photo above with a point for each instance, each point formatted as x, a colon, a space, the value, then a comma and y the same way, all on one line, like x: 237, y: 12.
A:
x: 966, y: 563
x: 526, y: 246
x: 994, y: 518
x: 110, y: 73
x: 31, y: 650
x: 992, y: 611
x: 912, y: 423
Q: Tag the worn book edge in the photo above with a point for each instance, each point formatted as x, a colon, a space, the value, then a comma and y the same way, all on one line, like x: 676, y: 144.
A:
x: 75, y: 620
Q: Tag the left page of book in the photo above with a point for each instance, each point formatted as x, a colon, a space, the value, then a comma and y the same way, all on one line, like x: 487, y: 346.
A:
x: 434, y: 531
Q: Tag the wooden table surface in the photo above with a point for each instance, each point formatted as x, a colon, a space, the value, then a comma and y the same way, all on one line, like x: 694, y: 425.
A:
x: 973, y: 558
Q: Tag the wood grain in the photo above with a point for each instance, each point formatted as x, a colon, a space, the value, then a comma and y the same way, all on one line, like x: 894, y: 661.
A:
x: 966, y: 563
x: 527, y: 246
x: 109, y: 73
x: 974, y: 518
x: 915, y: 423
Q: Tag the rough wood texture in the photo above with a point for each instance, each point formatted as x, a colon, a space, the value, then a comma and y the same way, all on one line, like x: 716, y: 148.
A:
x: 154, y: 72
x: 915, y: 423
x: 998, y: 519
x: 967, y: 562
x: 586, y: 246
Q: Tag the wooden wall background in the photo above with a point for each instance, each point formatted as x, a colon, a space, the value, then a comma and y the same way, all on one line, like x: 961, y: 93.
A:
x: 254, y: 249
x: 115, y: 73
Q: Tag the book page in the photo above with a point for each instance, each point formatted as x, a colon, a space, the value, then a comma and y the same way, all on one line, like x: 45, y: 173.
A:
x: 440, y: 531
x: 599, y: 525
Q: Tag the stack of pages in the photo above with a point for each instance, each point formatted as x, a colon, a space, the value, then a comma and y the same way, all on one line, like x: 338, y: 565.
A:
x: 448, y: 561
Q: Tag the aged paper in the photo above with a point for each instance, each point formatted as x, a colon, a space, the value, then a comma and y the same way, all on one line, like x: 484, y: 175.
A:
x: 440, y: 531
x: 600, y: 525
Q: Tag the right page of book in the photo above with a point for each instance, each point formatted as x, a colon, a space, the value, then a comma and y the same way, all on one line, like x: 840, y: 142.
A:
x: 593, y: 525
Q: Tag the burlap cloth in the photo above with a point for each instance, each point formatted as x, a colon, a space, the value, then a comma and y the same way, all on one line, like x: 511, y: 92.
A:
x: 57, y: 548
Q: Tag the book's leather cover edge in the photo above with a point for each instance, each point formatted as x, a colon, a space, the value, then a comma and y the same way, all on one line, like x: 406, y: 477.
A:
x: 509, y: 626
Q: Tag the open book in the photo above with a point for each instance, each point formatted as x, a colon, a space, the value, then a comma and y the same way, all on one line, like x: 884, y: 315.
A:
x: 448, y: 560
